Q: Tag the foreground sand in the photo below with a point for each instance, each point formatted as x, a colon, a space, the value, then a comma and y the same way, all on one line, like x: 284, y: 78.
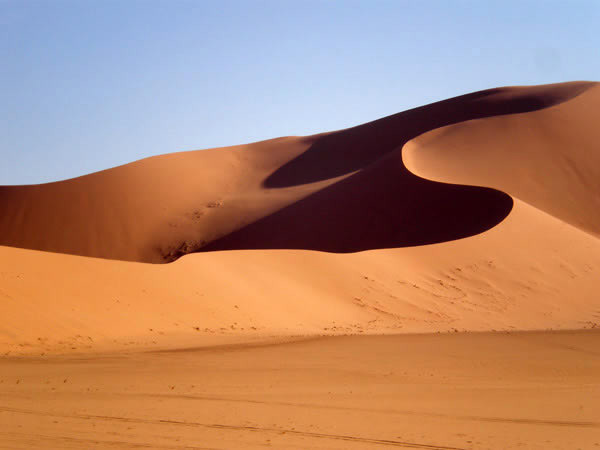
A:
x: 454, y: 391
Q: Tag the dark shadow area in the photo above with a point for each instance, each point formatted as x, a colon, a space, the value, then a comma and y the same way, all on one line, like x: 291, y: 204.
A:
x: 383, y: 206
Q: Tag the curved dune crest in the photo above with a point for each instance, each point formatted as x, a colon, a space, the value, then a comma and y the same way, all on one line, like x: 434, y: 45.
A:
x: 549, y: 158
x: 345, y: 151
x: 343, y: 191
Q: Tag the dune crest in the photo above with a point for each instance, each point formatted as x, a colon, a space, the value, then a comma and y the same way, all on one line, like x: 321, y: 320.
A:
x: 343, y: 191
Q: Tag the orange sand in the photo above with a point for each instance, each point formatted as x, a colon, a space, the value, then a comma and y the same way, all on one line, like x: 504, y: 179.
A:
x: 478, y: 213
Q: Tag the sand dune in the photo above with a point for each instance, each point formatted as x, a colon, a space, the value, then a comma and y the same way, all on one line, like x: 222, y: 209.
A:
x: 343, y: 191
x: 478, y: 213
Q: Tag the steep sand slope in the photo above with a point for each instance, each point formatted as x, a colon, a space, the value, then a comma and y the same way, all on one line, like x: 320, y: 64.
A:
x: 342, y: 191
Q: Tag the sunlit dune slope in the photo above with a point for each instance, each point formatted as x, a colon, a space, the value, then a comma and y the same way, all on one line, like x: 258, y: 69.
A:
x: 343, y: 191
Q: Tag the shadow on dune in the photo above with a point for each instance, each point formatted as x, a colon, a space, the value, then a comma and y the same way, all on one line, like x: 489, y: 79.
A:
x: 384, y: 205
x: 345, y: 151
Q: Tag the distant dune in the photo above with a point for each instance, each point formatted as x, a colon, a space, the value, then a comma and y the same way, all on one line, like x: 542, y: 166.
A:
x: 479, y: 212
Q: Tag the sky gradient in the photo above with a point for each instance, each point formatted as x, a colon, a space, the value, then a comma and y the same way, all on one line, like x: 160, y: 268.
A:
x: 87, y: 85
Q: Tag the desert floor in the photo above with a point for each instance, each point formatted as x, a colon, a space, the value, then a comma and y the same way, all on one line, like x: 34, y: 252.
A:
x: 428, y: 391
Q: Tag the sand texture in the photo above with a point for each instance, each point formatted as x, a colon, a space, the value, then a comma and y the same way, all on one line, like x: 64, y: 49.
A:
x: 434, y: 392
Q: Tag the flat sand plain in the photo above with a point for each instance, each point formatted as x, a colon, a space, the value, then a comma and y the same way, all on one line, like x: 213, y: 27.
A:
x: 536, y: 390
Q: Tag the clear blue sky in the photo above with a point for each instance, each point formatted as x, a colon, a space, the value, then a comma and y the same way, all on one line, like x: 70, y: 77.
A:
x: 89, y: 84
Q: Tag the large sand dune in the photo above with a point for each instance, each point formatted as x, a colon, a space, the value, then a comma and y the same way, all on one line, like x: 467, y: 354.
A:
x: 477, y: 213
x: 343, y: 191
